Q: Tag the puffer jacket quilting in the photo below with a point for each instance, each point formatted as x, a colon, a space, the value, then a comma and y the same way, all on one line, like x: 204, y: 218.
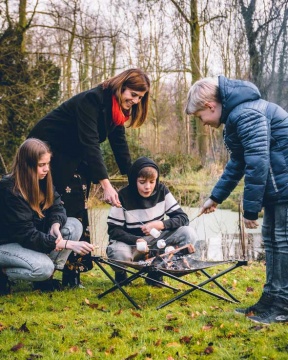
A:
x: 256, y: 134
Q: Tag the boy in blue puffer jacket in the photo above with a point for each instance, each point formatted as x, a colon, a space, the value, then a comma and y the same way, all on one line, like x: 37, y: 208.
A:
x: 256, y: 136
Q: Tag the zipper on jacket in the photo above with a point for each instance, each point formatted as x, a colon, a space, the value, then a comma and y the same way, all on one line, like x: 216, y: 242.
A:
x: 225, y: 144
x: 273, y: 180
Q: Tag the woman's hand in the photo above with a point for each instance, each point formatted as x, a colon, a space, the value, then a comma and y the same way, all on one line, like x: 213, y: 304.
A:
x: 158, y: 225
x: 110, y: 194
x: 208, y: 207
x: 251, y: 224
x: 79, y: 247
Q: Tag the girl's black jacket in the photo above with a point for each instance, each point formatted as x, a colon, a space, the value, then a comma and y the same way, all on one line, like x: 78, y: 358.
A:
x: 19, y: 223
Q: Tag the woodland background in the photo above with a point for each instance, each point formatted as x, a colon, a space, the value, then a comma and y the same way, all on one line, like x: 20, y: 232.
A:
x: 53, y: 49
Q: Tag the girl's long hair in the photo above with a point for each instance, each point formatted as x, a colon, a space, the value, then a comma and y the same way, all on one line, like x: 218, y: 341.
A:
x: 137, y: 80
x: 38, y: 194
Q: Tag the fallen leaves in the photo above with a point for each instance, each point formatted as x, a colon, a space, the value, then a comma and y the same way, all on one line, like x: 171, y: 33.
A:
x: 207, y: 327
x: 185, y: 339
x: 132, y: 356
x: 89, y: 352
x: 171, y: 317
x: 24, y: 328
x: 249, y: 289
x: 173, y: 344
x: 95, y: 306
x: 158, y: 342
x: 17, y: 347
x: 74, y: 349
x: 153, y: 329
x: 171, y: 328
x: 209, y: 350
x: 110, y: 351
x: 115, y: 333
x: 136, y: 314
x: 258, y: 327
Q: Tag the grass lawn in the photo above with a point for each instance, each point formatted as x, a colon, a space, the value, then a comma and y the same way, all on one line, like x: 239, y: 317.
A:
x: 75, y: 324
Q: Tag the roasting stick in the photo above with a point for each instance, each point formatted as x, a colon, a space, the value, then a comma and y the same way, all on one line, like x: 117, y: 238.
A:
x: 135, y: 217
x: 195, y: 217
x: 189, y: 247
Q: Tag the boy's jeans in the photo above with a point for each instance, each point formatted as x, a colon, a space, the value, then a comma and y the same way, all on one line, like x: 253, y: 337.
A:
x: 275, y: 237
x: 25, y: 264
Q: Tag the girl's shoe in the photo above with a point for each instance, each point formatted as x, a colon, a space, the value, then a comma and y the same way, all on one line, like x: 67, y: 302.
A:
x: 47, y: 285
x: 4, y: 284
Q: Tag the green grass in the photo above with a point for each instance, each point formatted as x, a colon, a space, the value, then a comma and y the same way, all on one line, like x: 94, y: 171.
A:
x: 75, y: 324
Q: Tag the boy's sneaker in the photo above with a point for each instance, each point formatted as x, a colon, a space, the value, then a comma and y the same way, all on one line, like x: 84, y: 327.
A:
x: 120, y: 276
x: 278, y: 313
x: 263, y: 305
x: 154, y: 275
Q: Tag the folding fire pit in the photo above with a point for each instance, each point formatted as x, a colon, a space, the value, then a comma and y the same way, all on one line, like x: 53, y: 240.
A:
x: 174, y: 267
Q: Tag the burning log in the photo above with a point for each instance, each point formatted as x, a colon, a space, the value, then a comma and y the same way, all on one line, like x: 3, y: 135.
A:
x: 189, y: 247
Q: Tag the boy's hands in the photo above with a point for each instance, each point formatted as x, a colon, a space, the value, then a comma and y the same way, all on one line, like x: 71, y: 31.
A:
x: 208, y: 207
x: 142, y: 246
x: 158, y: 225
x: 251, y: 224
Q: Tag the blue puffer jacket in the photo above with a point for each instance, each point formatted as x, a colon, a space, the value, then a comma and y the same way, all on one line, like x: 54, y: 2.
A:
x: 256, y: 135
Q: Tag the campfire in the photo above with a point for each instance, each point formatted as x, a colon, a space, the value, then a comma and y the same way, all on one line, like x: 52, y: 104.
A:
x: 176, y: 259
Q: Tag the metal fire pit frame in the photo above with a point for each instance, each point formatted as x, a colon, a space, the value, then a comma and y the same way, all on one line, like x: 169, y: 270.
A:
x: 136, y: 270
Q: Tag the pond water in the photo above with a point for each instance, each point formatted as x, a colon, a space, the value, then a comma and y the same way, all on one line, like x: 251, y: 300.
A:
x: 218, y: 235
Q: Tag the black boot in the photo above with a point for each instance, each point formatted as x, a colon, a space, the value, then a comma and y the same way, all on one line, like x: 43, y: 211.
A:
x: 120, y: 276
x: 4, y: 284
x: 154, y: 275
x: 71, y: 278
x: 48, y: 285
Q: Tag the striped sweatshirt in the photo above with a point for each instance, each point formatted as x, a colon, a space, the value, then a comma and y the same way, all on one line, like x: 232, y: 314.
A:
x: 124, y: 224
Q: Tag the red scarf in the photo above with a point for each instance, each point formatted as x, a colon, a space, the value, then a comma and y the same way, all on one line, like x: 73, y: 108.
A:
x: 118, y: 115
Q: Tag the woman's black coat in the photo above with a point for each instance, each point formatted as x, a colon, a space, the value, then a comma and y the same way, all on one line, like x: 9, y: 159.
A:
x: 74, y: 132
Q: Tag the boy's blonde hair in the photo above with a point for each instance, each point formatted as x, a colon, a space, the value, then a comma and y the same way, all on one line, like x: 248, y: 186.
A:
x: 201, y: 92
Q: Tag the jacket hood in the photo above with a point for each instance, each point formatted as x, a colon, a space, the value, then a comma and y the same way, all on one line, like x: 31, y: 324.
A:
x: 234, y: 93
x: 6, y: 181
x: 139, y: 164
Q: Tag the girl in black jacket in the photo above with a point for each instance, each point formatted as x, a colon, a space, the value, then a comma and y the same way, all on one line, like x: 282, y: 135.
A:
x: 35, y: 235
x: 75, y: 131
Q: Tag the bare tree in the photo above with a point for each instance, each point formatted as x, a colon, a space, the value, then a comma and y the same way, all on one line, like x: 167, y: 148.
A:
x: 262, y: 37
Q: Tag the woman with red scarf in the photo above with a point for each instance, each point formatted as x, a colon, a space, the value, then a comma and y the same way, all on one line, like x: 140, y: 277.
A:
x: 75, y: 131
